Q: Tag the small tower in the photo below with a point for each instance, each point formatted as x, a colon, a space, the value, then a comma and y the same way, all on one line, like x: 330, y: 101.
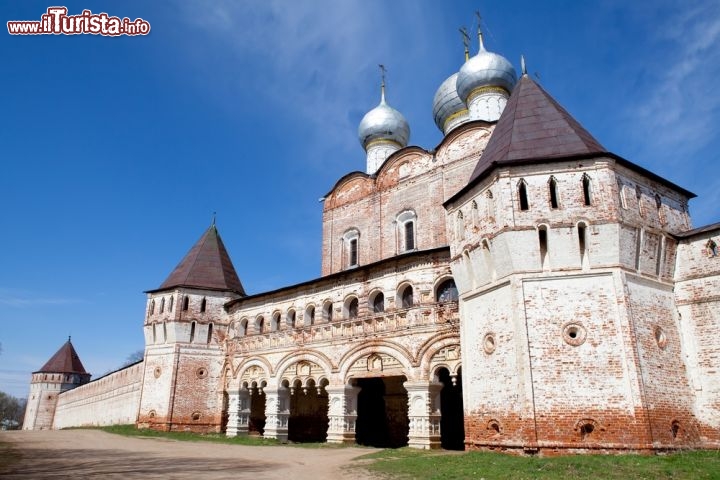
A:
x: 382, y: 131
x: 64, y: 371
x: 485, y: 83
x: 184, y: 322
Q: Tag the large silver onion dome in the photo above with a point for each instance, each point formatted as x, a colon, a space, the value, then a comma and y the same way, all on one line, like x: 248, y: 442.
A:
x: 447, y: 102
x: 486, y: 69
x: 383, y: 123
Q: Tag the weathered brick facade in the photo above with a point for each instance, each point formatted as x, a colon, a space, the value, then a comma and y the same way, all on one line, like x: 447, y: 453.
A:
x: 585, y: 316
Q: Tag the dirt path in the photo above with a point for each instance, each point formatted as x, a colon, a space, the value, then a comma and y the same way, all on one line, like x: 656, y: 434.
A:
x: 96, y: 454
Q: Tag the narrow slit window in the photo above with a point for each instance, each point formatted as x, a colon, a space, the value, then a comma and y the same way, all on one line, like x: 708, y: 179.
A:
x: 353, y: 252
x: 522, y: 196
x: 581, y: 238
x: 587, y: 190
x: 203, y: 305
x: 409, y: 235
x: 170, y: 307
x: 210, y: 332
x: 543, y: 240
x: 186, y: 303
x: 162, y: 305
x: 192, y: 332
x: 553, y: 192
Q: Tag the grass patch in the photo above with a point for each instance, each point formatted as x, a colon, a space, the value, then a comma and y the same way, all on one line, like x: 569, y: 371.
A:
x: 133, y: 431
x: 407, y: 463
x: 247, y: 440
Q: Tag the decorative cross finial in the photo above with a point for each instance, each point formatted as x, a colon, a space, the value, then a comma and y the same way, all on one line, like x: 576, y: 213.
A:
x: 479, y: 30
x: 523, y: 67
x: 382, y: 83
x: 213, y: 219
x: 466, y: 42
x: 68, y: 338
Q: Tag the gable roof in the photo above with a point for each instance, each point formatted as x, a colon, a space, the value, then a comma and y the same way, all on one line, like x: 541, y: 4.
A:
x: 65, y: 360
x: 207, y: 265
x: 535, y: 128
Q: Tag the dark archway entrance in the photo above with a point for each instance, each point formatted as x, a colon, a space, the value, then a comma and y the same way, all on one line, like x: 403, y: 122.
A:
x: 382, y: 419
x: 256, y: 425
x: 452, y: 422
x: 308, y: 420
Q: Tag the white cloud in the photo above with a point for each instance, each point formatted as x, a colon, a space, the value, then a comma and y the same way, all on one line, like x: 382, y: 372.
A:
x: 679, y: 109
x: 23, y: 299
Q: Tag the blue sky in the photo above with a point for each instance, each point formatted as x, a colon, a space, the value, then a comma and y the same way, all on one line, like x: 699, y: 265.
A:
x: 116, y: 151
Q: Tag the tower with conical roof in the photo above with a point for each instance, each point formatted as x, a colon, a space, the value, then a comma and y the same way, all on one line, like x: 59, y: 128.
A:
x: 184, y: 324
x: 64, y: 371
x: 565, y: 291
x: 382, y: 131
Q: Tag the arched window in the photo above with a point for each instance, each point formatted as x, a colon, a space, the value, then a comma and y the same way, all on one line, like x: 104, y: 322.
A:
x: 275, y: 322
x: 406, y: 297
x: 203, y: 304
x: 522, y: 195
x: 582, y: 240
x: 170, y: 307
x: 162, y: 305
x: 260, y: 325
x: 406, y: 231
x: 328, y: 311
x: 310, y: 315
x: 186, y: 302
x: 350, y: 248
x: 447, y: 291
x: 378, y: 303
x: 291, y: 319
x: 351, y: 308
x: 242, y: 331
x: 152, y: 307
x: 587, y: 190
x: 553, y: 187
x: 154, y: 334
x: 543, y: 241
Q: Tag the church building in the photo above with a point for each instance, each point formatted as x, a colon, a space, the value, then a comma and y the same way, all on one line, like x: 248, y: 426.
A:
x: 517, y: 287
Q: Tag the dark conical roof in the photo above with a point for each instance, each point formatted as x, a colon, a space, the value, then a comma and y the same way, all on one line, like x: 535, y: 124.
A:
x: 534, y: 126
x: 206, y: 265
x: 65, y: 360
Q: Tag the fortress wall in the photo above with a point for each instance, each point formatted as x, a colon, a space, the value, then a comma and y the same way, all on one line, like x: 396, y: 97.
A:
x: 109, y: 400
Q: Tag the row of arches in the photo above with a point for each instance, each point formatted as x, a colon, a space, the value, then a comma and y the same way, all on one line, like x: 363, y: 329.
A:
x: 405, y: 298
x: 553, y: 192
x: 170, y: 303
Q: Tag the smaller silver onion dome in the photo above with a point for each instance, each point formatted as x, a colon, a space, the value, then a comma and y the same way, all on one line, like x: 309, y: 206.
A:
x: 486, y: 69
x: 383, y: 123
x: 446, y: 102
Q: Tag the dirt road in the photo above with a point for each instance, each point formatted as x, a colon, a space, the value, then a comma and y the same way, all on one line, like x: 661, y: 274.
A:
x: 96, y: 454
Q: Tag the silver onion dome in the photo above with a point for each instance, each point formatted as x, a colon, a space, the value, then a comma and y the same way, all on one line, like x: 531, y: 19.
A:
x: 383, y: 123
x: 486, y: 69
x: 446, y: 102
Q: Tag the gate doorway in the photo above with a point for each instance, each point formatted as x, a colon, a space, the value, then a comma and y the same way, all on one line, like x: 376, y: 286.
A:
x: 452, y: 421
x: 256, y: 424
x: 308, y: 420
x: 382, y: 410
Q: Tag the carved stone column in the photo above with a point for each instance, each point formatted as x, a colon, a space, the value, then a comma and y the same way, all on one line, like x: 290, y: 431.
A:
x: 238, y: 413
x: 277, y: 413
x: 342, y: 413
x: 424, y: 414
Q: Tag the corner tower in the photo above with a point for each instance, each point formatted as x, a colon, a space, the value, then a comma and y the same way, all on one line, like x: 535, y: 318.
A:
x: 566, y: 291
x: 64, y: 371
x: 184, y: 325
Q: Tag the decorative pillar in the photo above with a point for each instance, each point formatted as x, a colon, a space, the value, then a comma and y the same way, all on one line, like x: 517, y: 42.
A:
x: 424, y: 414
x: 342, y: 413
x: 238, y: 413
x: 277, y: 413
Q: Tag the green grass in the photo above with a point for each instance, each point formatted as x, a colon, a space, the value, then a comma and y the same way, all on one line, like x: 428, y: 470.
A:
x: 132, y: 431
x: 407, y: 463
